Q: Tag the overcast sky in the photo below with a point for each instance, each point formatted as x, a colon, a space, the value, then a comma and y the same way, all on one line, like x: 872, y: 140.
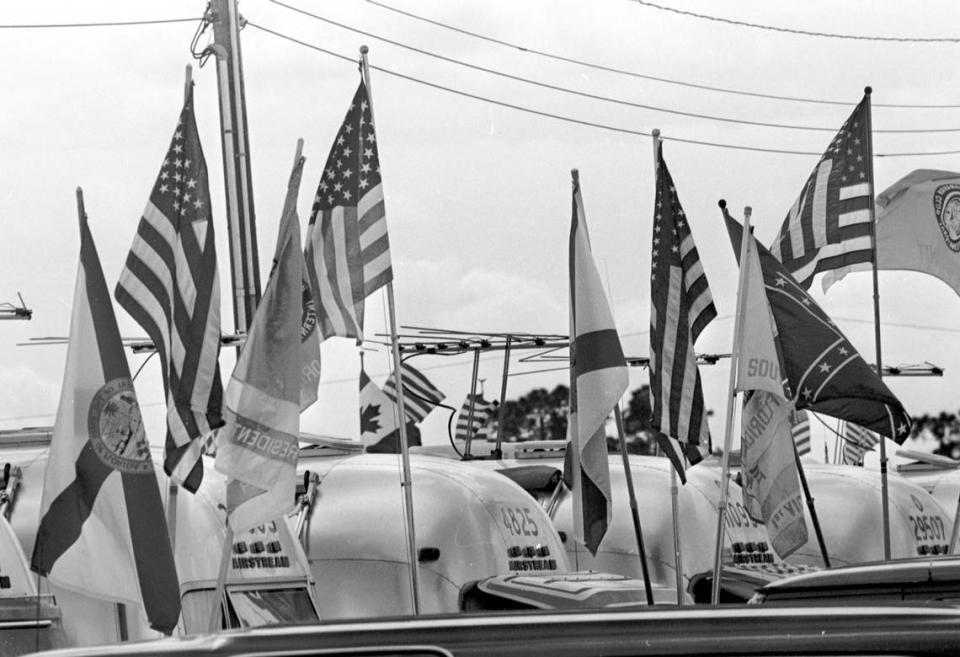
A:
x: 477, y: 195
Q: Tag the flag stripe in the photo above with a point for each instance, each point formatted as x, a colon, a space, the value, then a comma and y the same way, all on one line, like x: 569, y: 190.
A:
x: 598, y: 350
x: 61, y: 525
x: 855, y: 191
x: 143, y: 503
x: 846, y: 219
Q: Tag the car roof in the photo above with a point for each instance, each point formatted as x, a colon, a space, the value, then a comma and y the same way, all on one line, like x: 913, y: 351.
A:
x: 732, y: 630
x: 902, y: 571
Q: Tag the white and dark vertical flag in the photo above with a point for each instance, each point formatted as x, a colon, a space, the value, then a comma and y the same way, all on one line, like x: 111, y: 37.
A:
x: 801, y: 432
x: 770, y: 476
x: 348, y: 250
x: 598, y: 379
x: 681, y: 307
x: 829, y: 225
x: 419, y: 395
x: 170, y: 286
x: 103, y: 531
x: 482, y: 411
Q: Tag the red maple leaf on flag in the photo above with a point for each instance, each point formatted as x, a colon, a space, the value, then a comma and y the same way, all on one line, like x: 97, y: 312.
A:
x: 370, y: 419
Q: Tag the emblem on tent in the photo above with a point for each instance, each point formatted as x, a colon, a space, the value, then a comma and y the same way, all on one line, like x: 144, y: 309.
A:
x: 946, y: 205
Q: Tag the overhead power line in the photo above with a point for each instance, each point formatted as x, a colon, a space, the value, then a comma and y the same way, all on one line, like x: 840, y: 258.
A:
x: 34, y: 26
x: 570, y: 119
x: 790, y: 30
x: 646, y: 76
x: 607, y: 99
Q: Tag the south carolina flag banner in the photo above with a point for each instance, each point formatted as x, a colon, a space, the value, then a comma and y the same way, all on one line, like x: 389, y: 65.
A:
x: 257, y: 448
x: 770, y: 477
x: 102, y: 527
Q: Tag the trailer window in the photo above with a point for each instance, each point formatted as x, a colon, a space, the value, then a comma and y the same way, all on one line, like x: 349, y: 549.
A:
x: 269, y: 606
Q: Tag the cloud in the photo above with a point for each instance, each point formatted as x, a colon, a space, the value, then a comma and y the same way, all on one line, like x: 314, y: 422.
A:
x: 28, y: 398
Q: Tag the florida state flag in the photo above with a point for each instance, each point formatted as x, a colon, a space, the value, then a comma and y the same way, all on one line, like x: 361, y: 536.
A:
x: 102, y: 527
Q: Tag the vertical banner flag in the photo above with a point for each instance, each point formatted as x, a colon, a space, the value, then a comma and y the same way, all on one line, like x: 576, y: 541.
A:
x: 681, y: 307
x: 829, y: 225
x: 419, y: 395
x: 379, y: 420
x: 824, y: 372
x: 170, y: 286
x: 771, y: 482
x: 801, y: 432
x: 257, y: 448
x: 918, y: 228
x: 102, y: 530
x: 598, y: 379
x: 348, y: 250
x: 482, y: 410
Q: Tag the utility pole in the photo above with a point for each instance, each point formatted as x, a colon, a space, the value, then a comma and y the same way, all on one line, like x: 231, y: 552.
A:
x: 241, y: 223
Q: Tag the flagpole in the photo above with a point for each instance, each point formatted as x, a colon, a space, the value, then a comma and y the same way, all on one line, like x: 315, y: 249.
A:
x: 884, y: 490
x: 473, y: 396
x: 245, y: 267
x: 731, y: 398
x: 502, y: 411
x: 214, y: 623
x: 674, y: 487
x: 406, y: 484
x: 810, y: 505
x: 634, y: 512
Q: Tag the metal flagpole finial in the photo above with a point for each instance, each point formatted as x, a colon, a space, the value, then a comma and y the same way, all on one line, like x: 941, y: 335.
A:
x: 747, y: 211
x: 868, y: 90
x: 723, y: 204
x: 364, y: 49
x: 656, y: 133
x: 575, y: 174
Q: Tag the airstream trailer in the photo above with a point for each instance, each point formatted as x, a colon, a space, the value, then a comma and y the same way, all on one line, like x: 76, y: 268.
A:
x: 538, y: 465
x: 470, y: 524
x: 848, y: 504
x: 939, y: 476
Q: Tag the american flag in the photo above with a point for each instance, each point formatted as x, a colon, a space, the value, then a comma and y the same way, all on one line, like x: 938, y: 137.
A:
x: 681, y: 307
x: 829, y: 225
x: 801, y: 432
x: 170, y: 286
x: 857, y: 441
x: 482, y: 412
x: 348, y: 250
x: 419, y: 395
